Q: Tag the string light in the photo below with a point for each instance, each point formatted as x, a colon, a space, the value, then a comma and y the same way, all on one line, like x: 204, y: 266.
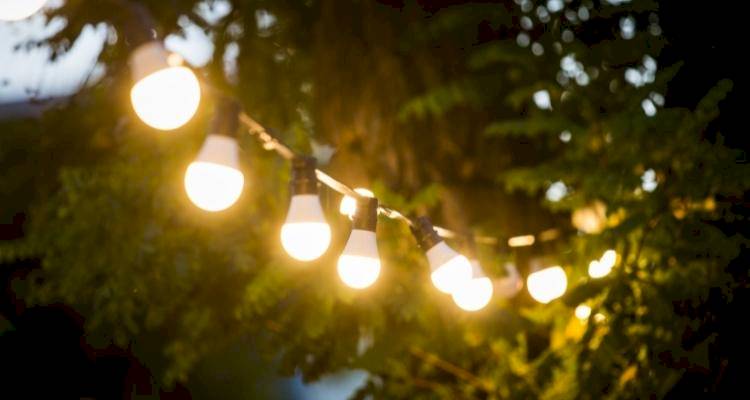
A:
x: 348, y: 204
x: 213, y: 181
x: 359, y: 263
x: 16, y: 10
x: 305, y: 235
x: 475, y: 293
x: 166, y: 94
x: 547, y: 284
x: 449, y: 269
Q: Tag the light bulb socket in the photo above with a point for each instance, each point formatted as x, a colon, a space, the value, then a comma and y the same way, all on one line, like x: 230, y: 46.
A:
x: 425, y: 234
x: 136, y: 22
x: 304, y: 180
x: 366, y: 216
x: 226, y: 118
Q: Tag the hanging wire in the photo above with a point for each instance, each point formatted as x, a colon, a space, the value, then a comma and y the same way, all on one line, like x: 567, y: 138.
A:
x: 271, y: 143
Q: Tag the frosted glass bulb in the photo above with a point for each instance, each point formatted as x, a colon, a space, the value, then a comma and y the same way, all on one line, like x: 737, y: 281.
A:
x: 547, y: 284
x: 16, y: 10
x: 449, y: 269
x: 476, y: 293
x: 305, y: 235
x: 359, y: 263
x: 166, y: 99
x: 348, y: 204
x: 165, y: 95
x: 213, y: 181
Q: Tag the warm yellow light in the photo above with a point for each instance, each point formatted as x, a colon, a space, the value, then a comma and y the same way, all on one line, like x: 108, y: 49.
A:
x: 547, y: 284
x: 213, y: 187
x: 582, y: 312
x: 451, y: 274
x: 167, y: 98
x: 474, y: 294
x: 599, y: 317
x: 213, y: 181
x: 358, y: 272
x: 359, y: 263
x: 520, y: 241
x: 15, y: 10
x: 348, y: 204
x: 305, y: 241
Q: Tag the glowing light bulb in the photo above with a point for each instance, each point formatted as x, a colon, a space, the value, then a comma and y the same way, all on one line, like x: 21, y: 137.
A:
x: 305, y: 235
x: 213, y: 181
x: 583, y: 312
x: 359, y: 263
x: 449, y: 269
x: 510, y: 285
x: 348, y: 204
x: 476, y: 293
x: 547, y: 284
x: 16, y: 10
x: 166, y: 95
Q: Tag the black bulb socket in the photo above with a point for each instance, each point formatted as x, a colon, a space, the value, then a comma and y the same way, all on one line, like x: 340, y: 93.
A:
x: 425, y: 233
x: 304, y: 180
x: 366, y: 216
x: 226, y: 118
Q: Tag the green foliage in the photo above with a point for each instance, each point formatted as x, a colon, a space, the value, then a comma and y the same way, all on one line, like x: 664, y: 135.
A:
x: 424, y: 103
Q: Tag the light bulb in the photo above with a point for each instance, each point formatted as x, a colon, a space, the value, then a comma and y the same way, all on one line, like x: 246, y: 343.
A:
x: 449, y: 269
x: 348, y: 205
x: 16, y: 10
x: 359, y: 263
x: 583, y: 312
x: 476, y: 293
x: 510, y: 285
x: 547, y: 284
x: 213, y: 181
x: 305, y: 235
x: 165, y: 95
